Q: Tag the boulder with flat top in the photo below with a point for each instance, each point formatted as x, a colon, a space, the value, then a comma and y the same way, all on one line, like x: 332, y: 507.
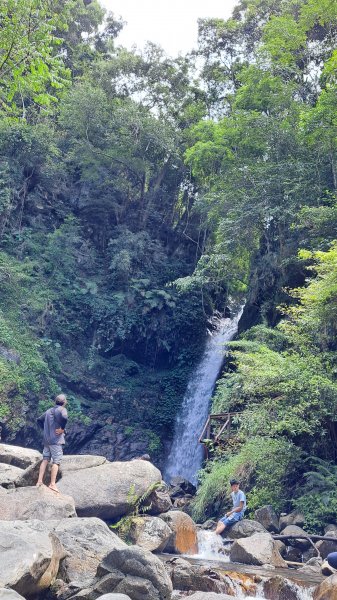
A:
x: 259, y: 549
x: 103, y: 489
x: 35, y: 503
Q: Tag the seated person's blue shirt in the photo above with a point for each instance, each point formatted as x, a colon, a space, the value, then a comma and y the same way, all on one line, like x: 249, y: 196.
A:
x: 238, y: 497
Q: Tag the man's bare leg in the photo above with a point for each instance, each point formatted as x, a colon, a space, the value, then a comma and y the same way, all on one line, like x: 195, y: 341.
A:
x: 53, y: 475
x: 42, y: 471
x: 220, y: 527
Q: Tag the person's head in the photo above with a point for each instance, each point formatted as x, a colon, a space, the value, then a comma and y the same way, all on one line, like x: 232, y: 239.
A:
x: 235, y: 484
x: 61, y: 400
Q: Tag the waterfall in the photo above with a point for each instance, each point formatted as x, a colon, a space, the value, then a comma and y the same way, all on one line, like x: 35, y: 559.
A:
x: 186, y: 454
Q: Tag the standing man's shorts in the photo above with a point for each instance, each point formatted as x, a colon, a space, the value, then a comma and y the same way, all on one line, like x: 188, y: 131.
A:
x: 234, y: 518
x: 54, y: 451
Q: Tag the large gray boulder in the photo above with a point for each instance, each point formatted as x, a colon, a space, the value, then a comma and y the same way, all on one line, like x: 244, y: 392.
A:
x: 9, y: 474
x: 259, y: 549
x: 29, y: 556
x: 69, y: 464
x: 183, y: 539
x: 135, y: 572
x: 150, y: 533
x: 86, y: 542
x: 18, y: 457
x: 35, y: 503
x: 294, y: 518
x: 267, y: 516
x: 244, y: 529
x: 7, y: 594
x: 104, y: 490
x: 325, y: 546
x: 293, y: 530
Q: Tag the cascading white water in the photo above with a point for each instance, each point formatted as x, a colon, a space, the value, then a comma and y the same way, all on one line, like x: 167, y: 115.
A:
x: 186, y: 453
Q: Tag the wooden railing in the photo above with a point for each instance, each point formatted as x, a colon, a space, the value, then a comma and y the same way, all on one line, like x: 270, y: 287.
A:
x: 225, y: 427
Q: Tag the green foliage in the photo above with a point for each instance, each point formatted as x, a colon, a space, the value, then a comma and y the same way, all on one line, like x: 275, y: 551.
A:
x: 317, y: 498
x: 29, y: 66
x: 138, y: 505
x: 264, y: 467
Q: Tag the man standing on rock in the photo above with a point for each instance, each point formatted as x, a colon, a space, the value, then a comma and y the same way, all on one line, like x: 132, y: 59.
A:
x: 53, y: 422
x: 238, y: 510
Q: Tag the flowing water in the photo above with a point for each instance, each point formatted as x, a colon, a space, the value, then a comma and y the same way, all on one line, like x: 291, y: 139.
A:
x: 186, y: 454
x: 214, y: 552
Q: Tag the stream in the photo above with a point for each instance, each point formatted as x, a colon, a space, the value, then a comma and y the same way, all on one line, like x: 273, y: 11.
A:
x: 214, y: 554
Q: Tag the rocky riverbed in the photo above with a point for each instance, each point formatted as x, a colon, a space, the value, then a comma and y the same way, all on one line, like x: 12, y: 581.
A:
x: 60, y: 547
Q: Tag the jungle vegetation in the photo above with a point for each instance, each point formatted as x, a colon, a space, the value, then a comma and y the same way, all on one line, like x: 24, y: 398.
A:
x: 139, y: 194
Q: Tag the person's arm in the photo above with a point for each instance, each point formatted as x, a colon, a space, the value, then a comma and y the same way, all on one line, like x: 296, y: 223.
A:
x: 237, y: 509
x: 63, y: 418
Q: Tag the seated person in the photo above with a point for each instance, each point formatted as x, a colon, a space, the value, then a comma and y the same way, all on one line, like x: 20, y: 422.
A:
x: 238, y: 510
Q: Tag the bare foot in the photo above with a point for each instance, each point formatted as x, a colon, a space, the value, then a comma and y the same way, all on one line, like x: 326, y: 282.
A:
x: 54, y: 488
x: 39, y: 484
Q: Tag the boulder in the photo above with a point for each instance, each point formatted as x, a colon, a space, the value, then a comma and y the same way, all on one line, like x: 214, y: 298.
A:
x: 312, y: 566
x: 9, y: 475
x: 29, y: 556
x: 159, y: 501
x: 104, y: 490
x: 324, y: 546
x: 187, y: 577
x: 301, y: 544
x: 86, y: 542
x: 135, y: 572
x: 7, y: 594
x: 259, y: 549
x: 69, y: 464
x: 330, y: 527
x: 183, y: 539
x: 268, y: 518
x: 281, y: 547
x: 244, y: 529
x: 35, y: 503
x: 294, y: 518
x: 150, y: 533
x: 327, y: 590
x: 29, y: 476
x: 278, y: 588
x: 18, y: 457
